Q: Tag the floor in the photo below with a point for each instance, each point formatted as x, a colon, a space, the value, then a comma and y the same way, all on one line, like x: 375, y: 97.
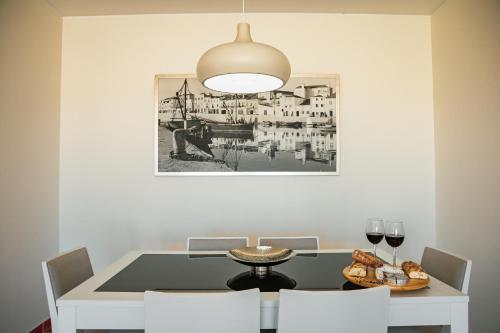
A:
x: 44, y: 327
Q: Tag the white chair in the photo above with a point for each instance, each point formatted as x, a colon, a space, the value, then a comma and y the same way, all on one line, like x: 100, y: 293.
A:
x: 215, y: 243
x: 292, y: 243
x: 447, y: 267
x: 63, y: 273
x: 357, y: 311
x: 224, y: 312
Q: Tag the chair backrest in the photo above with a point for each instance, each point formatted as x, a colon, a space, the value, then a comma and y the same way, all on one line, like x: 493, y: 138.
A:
x: 447, y: 267
x: 63, y: 273
x: 365, y: 310
x: 224, y: 312
x: 216, y: 243
x: 292, y: 243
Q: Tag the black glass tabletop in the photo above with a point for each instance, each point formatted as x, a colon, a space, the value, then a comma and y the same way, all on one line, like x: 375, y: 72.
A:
x: 188, y: 272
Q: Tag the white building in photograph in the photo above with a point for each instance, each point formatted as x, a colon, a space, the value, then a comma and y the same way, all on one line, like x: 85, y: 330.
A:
x: 305, y: 104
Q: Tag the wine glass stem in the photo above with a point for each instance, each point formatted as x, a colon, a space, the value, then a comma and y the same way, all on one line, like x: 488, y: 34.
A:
x: 394, y: 257
x: 375, y: 250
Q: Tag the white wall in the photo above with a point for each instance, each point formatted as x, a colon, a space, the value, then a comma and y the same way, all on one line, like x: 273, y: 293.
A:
x: 30, y: 67
x: 110, y: 200
x: 466, y: 60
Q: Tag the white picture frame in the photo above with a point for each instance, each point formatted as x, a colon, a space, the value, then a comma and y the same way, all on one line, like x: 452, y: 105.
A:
x: 310, y: 148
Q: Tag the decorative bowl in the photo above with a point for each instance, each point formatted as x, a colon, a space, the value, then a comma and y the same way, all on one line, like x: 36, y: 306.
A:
x: 261, y: 255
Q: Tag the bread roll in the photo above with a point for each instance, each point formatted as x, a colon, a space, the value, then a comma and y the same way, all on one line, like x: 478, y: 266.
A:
x: 357, y: 269
x: 414, y: 270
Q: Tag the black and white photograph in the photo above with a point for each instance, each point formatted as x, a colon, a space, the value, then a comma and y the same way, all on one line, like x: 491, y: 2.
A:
x: 292, y: 130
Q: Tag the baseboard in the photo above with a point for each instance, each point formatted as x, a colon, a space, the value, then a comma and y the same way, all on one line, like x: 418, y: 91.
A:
x: 44, y: 327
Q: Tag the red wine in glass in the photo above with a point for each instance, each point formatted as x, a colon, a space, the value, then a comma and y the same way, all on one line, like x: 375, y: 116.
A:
x: 394, y: 236
x: 374, y: 237
x: 394, y: 240
x: 375, y: 232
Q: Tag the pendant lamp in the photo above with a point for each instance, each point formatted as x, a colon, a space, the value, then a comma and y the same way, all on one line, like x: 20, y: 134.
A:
x: 243, y: 66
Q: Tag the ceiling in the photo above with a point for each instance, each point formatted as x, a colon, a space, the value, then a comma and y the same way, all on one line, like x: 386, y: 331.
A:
x: 124, y: 7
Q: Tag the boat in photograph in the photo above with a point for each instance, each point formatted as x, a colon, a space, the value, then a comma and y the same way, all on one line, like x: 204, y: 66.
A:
x: 310, y: 123
x: 330, y: 128
x: 227, y: 127
x: 202, y: 143
x: 181, y: 123
x: 294, y: 124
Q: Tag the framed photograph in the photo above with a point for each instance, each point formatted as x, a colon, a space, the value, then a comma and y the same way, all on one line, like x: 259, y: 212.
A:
x: 290, y: 131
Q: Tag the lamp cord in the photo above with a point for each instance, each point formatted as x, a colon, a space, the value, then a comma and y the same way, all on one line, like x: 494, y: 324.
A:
x: 243, y: 12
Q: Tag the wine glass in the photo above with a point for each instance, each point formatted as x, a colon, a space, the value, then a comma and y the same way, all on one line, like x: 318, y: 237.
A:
x: 375, y: 232
x: 394, y: 236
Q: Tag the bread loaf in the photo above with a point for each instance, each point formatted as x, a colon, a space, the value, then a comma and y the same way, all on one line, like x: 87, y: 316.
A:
x: 366, y: 259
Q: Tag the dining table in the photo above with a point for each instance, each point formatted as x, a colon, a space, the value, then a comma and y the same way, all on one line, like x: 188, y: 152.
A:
x: 114, y: 297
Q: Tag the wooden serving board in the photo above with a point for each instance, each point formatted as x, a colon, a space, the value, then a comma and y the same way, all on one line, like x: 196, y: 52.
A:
x: 371, y: 281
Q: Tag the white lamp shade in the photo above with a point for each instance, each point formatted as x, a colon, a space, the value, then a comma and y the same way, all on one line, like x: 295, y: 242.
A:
x: 243, y: 66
